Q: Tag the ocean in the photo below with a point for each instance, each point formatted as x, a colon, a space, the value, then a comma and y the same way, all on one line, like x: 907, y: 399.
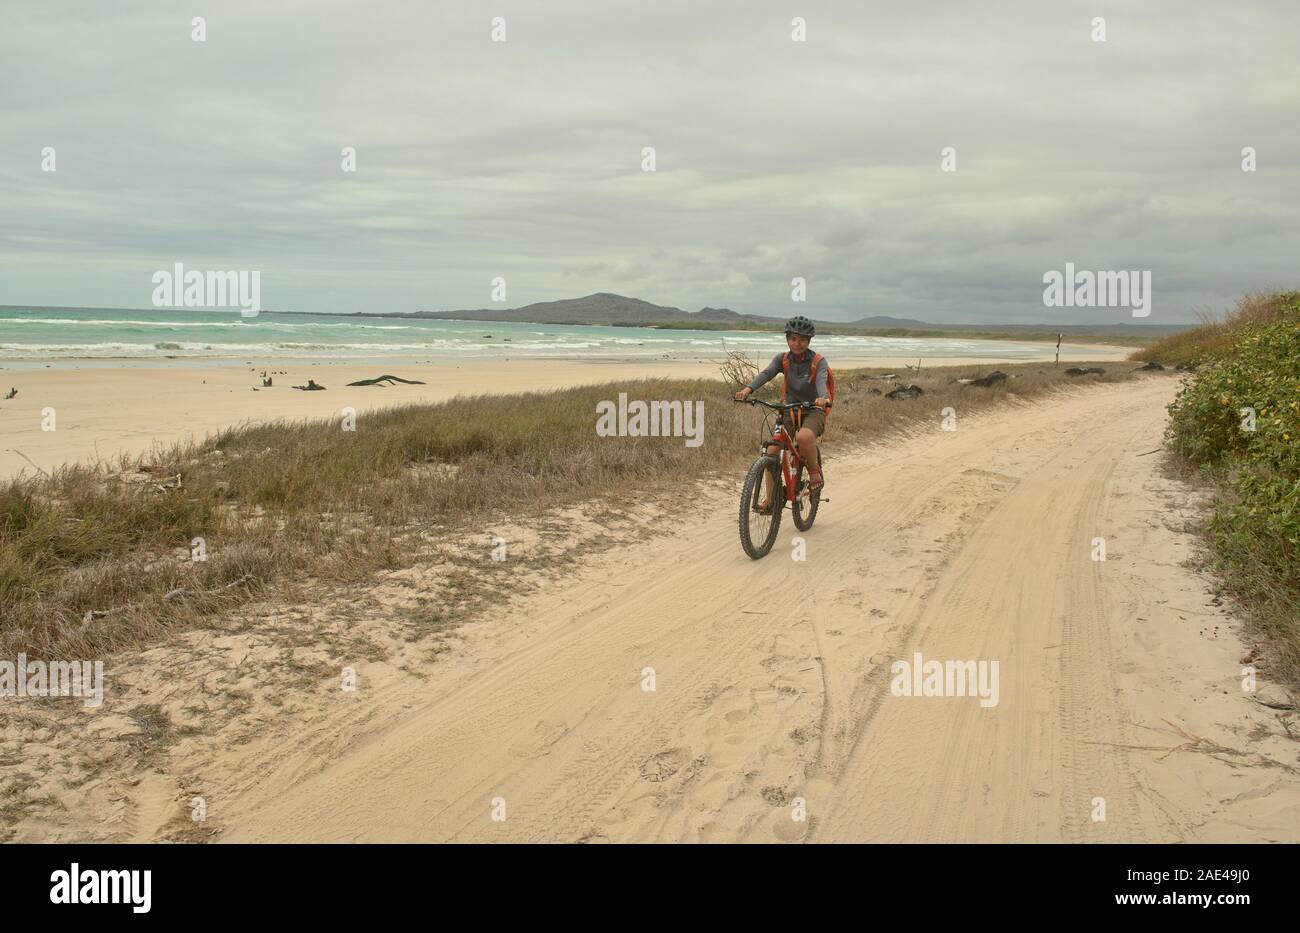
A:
x: 190, y: 334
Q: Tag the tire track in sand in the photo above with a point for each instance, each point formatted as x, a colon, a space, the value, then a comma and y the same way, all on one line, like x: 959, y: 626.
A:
x: 772, y: 676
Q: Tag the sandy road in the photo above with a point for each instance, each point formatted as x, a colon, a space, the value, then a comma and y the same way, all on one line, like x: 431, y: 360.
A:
x: 771, y: 679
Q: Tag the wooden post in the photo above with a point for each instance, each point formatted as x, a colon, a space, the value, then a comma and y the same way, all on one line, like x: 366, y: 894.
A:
x: 1058, y: 348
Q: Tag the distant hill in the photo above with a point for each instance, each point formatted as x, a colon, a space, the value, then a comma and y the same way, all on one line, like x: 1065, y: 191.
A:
x: 602, y: 308
x: 608, y: 309
x: 885, y: 321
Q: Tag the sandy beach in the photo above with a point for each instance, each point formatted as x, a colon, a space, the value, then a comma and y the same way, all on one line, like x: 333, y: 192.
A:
x: 970, y: 544
x: 101, y: 411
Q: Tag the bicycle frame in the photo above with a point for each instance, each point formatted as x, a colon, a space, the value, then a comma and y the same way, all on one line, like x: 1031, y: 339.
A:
x: 788, y: 456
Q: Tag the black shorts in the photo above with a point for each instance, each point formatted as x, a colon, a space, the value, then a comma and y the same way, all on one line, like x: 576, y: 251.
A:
x: 814, y: 419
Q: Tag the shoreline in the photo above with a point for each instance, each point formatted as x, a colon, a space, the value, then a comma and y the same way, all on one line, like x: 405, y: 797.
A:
x: 101, y: 412
x: 1092, y: 352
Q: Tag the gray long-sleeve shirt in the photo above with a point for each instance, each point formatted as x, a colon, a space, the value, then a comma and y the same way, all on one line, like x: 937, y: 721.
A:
x: 798, y: 387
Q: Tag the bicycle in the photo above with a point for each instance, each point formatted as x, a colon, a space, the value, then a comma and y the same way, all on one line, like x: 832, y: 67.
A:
x: 789, y: 484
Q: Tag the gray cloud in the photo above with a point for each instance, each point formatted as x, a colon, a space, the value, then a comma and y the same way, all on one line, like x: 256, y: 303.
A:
x: 776, y: 158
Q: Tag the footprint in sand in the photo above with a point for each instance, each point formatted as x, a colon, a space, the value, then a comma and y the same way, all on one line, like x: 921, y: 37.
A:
x: 788, y: 829
x: 734, y: 732
x: 660, y: 767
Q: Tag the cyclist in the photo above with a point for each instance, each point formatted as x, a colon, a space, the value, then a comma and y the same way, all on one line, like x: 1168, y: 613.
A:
x: 799, y: 330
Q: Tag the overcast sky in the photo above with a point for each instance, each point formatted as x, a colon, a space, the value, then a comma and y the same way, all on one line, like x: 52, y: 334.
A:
x: 775, y: 158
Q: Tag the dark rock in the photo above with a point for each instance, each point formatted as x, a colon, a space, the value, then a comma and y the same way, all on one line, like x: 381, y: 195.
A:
x: 1090, y: 371
x: 992, y: 378
x: 904, y: 392
x: 1152, y: 366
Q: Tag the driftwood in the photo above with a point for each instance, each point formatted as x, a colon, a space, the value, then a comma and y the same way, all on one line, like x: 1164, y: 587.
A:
x: 737, y: 369
x: 381, y: 380
x: 181, y: 592
x: 311, y: 386
x: 170, y: 484
x: 29, y: 460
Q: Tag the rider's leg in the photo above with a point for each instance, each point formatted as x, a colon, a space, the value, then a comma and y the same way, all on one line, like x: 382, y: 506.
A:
x: 806, y: 441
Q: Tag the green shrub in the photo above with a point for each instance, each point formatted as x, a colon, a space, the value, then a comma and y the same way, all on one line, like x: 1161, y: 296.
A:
x: 1214, y: 337
x: 1255, y: 526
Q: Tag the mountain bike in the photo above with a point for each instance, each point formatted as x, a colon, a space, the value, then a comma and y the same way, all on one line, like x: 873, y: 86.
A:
x: 758, y: 529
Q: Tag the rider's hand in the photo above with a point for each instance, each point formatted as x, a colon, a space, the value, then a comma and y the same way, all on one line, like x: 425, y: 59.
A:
x: 821, y: 401
x: 744, y: 394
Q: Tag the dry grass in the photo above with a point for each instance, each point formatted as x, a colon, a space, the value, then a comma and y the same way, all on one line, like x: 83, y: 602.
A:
x: 1215, y: 335
x: 280, y: 504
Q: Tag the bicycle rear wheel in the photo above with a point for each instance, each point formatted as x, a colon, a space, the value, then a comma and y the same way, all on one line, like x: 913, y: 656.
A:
x: 805, y: 504
x: 757, y: 531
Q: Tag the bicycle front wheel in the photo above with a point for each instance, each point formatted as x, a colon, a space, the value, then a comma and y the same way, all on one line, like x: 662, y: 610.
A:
x: 805, y: 505
x: 758, y: 530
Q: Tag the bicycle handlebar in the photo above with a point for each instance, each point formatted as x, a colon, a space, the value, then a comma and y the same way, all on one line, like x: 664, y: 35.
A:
x: 787, y: 406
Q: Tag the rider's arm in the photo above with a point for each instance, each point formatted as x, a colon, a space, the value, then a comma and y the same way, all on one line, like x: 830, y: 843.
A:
x: 773, y: 368
x: 823, y: 390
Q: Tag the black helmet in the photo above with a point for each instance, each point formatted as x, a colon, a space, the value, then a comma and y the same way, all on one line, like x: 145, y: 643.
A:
x: 800, y: 325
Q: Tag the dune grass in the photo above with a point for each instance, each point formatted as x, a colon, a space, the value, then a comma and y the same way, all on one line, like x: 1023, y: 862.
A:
x: 1216, y: 335
x: 89, y: 556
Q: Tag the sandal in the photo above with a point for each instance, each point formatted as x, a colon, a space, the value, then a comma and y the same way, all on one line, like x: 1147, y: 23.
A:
x: 815, y: 480
x: 763, y: 509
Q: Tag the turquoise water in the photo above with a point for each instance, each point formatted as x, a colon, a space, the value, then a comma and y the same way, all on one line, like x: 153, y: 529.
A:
x: 46, y: 335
